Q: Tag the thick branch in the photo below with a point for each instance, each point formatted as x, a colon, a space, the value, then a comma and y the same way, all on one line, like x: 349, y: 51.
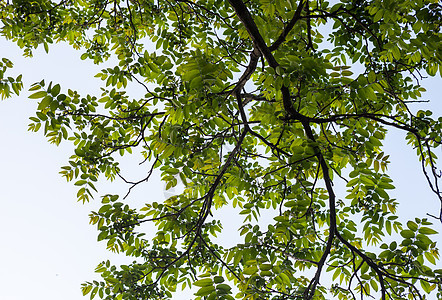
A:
x: 250, y: 25
x: 310, y: 291
x: 252, y: 29
x: 289, y: 27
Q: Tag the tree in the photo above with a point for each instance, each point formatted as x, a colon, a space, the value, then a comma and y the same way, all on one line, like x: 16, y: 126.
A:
x: 258, y: 105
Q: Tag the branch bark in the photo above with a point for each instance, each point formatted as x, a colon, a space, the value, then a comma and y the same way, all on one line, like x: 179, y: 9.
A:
x: 246, y: 18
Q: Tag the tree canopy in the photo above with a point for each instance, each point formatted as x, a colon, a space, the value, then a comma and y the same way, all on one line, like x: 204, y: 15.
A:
x: 262, y: 106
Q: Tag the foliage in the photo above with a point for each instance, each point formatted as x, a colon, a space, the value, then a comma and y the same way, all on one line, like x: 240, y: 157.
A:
x: 8, y: 83
x: 262, y: 106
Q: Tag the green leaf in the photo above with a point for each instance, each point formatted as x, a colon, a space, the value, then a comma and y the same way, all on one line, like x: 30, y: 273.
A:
x: 396, y: 52
x: 427, y: 230
x: 374, y: 285
x: 347, y: 73
x: 86, y: 289
x: 204, y: 282
x: 407, y: 234
x: 265, y: 267
x: 388, y: 227
x: 425, y: 286
x: 412, y: 225
x: 204, y: 291
x: 430, y: 258
x: 378, y: 16
x: 336, y: 273
x: 37, y: 95
x: 196, y: 83
x: 223, y: 287
x: 55, y: 90
x: 218, y: 279
x: 80, y: 182
x: 104, y: 208
x: 44, y: 103
x: 371, y: 77
x: 250, y: 270
x: 94, y: 292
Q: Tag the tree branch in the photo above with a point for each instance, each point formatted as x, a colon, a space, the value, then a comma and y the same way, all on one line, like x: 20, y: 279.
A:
x: 289, y: 27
